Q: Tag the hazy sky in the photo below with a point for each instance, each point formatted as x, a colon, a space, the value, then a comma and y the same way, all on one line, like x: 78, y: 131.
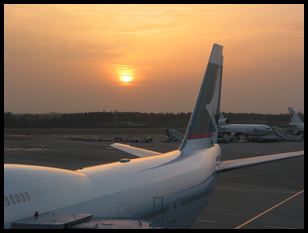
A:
x: 70, y: 58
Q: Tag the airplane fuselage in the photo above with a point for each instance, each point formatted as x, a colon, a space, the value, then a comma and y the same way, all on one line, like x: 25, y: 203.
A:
x: 247, y: 129
x: 178, y: 185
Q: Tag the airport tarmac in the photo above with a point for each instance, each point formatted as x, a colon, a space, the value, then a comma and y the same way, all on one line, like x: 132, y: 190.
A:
x: 264, y: 196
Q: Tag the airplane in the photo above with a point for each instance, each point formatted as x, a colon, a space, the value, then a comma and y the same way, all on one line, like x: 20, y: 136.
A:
x: 295, y: 120
x: 246, y: 129
x: 155, y: 190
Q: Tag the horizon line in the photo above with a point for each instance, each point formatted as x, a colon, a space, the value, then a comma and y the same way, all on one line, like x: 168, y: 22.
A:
x: 117, y: 111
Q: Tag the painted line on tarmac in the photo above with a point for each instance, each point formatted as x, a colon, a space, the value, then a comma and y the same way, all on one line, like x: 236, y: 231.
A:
x: 268, y: 210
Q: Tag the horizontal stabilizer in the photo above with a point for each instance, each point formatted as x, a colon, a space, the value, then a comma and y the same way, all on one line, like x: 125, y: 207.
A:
x: 138, y: 152
x: 247, y: 162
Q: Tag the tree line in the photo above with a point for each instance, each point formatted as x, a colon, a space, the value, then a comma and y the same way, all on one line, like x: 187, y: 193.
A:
x: 128, y: 119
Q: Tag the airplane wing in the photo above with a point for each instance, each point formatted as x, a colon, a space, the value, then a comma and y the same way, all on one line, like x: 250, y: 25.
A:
x: 138, y: 152
x: 247, y: 162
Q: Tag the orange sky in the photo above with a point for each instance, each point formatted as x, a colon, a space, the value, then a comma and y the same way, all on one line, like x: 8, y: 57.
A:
x: 68, y: 58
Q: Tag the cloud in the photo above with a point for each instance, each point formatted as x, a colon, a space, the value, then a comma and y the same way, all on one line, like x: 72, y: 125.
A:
x: 247, y: 31
x: 145, y: 29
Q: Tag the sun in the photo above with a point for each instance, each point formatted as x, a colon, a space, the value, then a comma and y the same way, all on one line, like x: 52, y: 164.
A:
x: 126, y: 74
x: 126, y: 78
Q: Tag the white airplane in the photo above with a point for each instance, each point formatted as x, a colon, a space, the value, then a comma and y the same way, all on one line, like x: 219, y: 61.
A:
x: 295, y: 120
x: 155, y: 190
x: 242, y: 129
x: 246, y: 129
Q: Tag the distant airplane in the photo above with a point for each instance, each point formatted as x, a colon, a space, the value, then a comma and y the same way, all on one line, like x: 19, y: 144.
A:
x: 295, y: 120
x: 163, y: 190
x: 246, y: 129
x: 243, y: 129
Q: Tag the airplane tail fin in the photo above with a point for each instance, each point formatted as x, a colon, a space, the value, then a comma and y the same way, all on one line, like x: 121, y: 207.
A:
x: 222, y: 120
x: 294, y: 116
x: 201, y: 131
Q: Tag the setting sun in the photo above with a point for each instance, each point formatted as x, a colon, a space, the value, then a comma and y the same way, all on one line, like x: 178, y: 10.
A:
x: 126, y: 78
x: 126, y: 74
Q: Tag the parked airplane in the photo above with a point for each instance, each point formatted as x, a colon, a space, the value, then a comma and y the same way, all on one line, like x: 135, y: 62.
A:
x: 156, y: 190
x: 295, y: 120
x: 246, y: 129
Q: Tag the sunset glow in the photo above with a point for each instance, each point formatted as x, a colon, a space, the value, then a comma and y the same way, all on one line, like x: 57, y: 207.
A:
x: 134, y: 57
